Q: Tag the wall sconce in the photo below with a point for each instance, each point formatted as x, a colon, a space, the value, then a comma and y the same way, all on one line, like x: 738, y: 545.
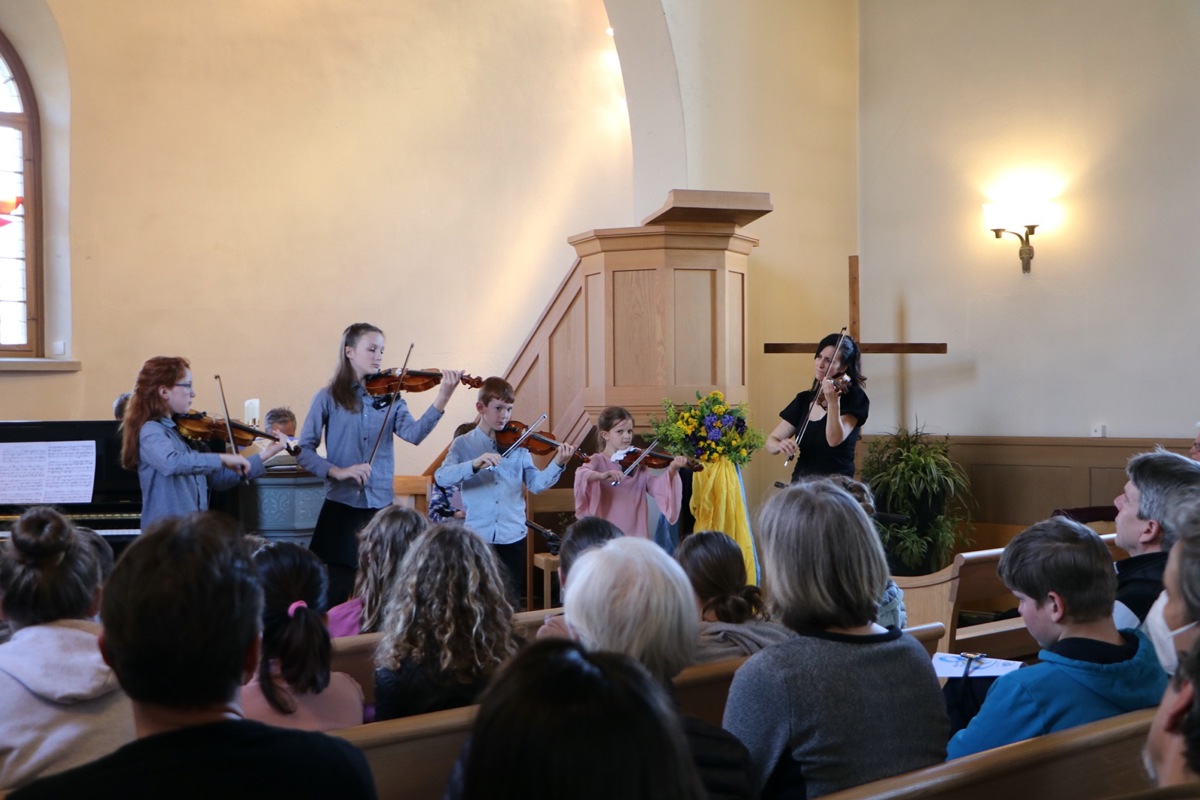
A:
x: 999, y: 220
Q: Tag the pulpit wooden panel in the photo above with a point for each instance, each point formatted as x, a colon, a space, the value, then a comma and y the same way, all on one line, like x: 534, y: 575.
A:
x: 695, y: 329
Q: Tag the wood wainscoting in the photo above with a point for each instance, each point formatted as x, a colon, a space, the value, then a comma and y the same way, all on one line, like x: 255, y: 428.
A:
x: 1018, y: 480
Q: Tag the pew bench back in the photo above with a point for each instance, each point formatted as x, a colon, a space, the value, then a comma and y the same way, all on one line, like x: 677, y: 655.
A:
x: 1099, y: 760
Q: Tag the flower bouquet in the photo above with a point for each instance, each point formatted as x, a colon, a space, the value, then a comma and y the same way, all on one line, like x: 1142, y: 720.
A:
x: 717, y: 434
x: 710, y: 431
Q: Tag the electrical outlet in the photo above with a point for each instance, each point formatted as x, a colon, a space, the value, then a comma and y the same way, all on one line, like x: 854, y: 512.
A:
x: 1099, y: 431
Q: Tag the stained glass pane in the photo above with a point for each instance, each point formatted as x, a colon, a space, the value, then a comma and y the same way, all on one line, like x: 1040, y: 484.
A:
x: 12, y: 240
x: 12, y: 323
x: 10, y: 96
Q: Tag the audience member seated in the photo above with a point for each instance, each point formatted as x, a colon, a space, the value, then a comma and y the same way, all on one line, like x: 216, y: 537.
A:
x: 580, y: 536
x: 892, y: 613
x: 1172, y: 753
x: 447, y: 627
x: 733, y: 619
x: 847, y: 701
x: 381, y: 547
x: 1171, y: 623
x: 628, y: 596
x: 181, y: 616
x: 445, y: 502
x: 281, y: 421
x: 120, y: 404
x: 294, y: 687
x: 1061, y: 573
x: 1156, y: 481
x: 561, y: 722
x: 62, y: 704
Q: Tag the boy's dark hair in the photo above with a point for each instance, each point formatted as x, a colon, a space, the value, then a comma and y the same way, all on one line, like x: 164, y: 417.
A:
x: 582, y: 535
x: 495, y: 388
x: 181, y: 611
x: 1063, y: 556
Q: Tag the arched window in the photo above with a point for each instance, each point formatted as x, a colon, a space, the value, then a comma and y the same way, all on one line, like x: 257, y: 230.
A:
x: 20, y: 220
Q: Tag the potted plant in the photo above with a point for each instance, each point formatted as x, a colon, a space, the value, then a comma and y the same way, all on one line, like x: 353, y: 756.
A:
x: 912, y: 476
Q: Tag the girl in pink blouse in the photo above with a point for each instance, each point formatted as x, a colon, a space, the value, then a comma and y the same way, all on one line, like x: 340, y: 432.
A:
x: 294, y: 687
x: 603, y: 490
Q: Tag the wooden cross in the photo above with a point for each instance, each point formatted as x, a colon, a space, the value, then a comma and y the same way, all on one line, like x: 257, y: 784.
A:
x: 896, y: 348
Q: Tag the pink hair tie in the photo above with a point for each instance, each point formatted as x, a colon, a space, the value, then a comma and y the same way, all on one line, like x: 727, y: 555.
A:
x: 292, y: 608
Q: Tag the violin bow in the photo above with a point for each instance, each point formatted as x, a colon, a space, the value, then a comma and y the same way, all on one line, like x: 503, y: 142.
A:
x: 837, y: 348
x: 228, y: 426
x: 629, y: 470
x: 391, y: 405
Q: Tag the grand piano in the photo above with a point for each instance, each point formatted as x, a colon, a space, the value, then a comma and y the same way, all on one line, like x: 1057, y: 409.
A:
x: 115, y: 507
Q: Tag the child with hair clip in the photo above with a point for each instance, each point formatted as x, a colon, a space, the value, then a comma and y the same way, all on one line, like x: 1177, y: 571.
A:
x: 175, y: 477
x: 381, y: 548
x: 294, y: 687
x: 350, y: 419
x: 603, y: 490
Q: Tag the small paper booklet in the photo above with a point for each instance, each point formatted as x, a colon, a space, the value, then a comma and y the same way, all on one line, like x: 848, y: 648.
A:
x: 954, y: 665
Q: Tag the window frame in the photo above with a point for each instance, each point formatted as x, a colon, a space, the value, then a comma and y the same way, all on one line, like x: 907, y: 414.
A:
x: 28, y: 122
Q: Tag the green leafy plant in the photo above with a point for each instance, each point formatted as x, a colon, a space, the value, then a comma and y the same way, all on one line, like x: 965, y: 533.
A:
x: 911, y: 474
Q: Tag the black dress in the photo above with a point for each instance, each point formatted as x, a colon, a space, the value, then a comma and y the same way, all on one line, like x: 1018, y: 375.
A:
x: 816, y: 456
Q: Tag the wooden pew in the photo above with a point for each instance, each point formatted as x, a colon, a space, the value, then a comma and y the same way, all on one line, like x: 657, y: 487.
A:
x: 1099, y: 760
x: 355, y: 656
x: 971, y: 582
x: 929, y: 635
x: 411, y: 757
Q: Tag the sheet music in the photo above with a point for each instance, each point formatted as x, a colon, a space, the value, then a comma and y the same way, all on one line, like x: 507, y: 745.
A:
x: 47, y: 472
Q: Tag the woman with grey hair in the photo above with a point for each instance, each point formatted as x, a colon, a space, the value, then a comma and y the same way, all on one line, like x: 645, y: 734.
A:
x: 628, y: 596
x: 822, y: 712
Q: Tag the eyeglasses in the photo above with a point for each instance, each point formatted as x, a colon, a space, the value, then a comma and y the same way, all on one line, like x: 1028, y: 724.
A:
x: 187, y: 386
x: 1196, y: 445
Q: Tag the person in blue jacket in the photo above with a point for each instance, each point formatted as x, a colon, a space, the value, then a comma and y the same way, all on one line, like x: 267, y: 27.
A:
x: 1062, y: 575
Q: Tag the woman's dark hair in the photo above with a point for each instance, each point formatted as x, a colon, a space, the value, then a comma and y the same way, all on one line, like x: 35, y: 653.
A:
x: 558, y: 721
x: 717, y: 571
x: 295, y: 638
x: 341, y: 387
x: 851, y: 356
x: 48, y: 571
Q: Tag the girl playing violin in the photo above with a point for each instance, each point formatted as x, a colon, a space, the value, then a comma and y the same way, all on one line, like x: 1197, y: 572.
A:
x: 174, y: 476
x: 836, y: 408
x: 351, y: 421
x: 624, y: 504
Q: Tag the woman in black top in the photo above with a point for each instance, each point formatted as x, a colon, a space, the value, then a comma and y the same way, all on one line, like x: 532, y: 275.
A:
x: 835, y: 420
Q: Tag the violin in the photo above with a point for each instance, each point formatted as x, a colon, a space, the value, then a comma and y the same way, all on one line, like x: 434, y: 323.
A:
x: 536, y: 443
x: 390, y: 381
x: 655, y: 460
x: 841, y: 382
x: 200, y: 427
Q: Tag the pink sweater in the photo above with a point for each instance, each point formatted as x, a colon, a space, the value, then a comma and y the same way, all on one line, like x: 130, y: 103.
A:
x: 625, y: 505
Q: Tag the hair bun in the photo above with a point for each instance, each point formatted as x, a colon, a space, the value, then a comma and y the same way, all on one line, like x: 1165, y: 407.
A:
x: 42, y: 534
